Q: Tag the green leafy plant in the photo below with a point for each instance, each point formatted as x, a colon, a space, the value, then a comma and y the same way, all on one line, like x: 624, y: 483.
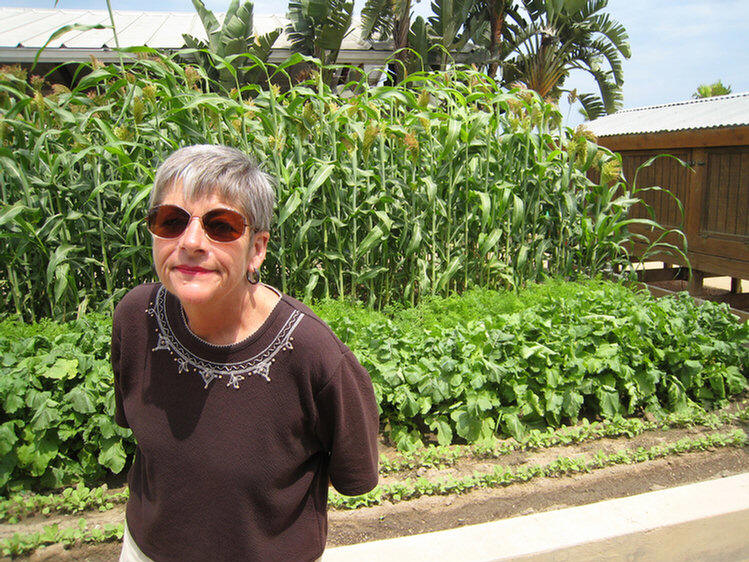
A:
x: 385, y: 194
x: 20, y: 544
x: 504, y: 476
x: 603, y: 352
x: 710, y: 90
x: 462, y: 369
x: 57, y: 401
x: 70, y: 500
x: 233, y: 55
x: 318, y: 27
x: 438, y: 456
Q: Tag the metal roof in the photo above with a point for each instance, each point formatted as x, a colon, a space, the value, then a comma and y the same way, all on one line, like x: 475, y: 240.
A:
x: 705, y: 113
x: 23, y: 31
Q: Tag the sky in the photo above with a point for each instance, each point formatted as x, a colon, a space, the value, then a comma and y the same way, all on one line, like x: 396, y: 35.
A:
x: 676, y: 44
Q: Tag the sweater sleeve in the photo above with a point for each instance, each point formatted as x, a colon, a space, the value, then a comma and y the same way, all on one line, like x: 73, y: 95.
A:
x: 119, y: 412
x: 348, y: 424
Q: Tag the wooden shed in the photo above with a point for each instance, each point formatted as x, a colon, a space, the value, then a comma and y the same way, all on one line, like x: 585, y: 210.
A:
x: 712, y: 136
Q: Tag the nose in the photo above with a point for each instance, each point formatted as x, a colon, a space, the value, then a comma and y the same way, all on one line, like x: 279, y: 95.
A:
x: 194, y: 236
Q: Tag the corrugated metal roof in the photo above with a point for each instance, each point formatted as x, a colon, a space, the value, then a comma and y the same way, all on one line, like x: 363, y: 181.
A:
x: 25, y: 30
x: 706, y: 113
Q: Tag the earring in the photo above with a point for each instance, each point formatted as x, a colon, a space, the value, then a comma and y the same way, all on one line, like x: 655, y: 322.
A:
x: 253, y: 277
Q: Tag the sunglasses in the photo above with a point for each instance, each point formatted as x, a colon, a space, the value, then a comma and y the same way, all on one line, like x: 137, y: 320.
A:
x: 220, y: 225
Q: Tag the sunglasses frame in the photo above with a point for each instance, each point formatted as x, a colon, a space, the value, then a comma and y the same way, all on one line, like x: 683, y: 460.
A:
x: 154, y: 210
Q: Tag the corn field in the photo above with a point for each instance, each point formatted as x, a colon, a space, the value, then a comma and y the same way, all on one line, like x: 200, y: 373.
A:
x: 385, y: 194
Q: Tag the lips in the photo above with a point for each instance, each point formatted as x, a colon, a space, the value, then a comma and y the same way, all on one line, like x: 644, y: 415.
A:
x: 191, y: 270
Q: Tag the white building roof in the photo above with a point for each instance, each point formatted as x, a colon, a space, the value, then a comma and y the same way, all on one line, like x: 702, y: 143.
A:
x: 23, y: 31
x: 706, y: 113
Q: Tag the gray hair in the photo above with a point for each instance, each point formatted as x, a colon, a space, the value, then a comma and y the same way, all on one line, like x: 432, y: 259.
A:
x: 232, y: 175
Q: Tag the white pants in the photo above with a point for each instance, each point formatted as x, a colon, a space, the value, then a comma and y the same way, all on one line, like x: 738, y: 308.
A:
x: 130, y: 551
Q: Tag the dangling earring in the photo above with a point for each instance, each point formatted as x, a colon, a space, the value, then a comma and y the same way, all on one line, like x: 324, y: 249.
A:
x: 253, y: 276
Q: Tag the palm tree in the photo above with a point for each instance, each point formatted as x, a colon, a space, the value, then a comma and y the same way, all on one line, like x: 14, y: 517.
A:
x: 234, y: 37
x: 710, y: 90
x: 566, y: 35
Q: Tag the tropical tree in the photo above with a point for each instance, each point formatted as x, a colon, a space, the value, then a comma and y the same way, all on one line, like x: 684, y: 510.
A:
x: 318, y: 27
x: 567, y: 35
x: 489, y: 19
x: 419, y: 44
x: 710, y: 90
x: 224, y: 56
x: 391, y: 19
x: 451, y: 26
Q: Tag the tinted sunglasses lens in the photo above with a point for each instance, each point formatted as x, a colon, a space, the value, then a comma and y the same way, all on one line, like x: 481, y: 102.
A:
x: 168, y: 221
x: 223, y: 225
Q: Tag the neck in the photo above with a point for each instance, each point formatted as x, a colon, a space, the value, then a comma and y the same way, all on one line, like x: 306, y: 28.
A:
x: 230, y: 322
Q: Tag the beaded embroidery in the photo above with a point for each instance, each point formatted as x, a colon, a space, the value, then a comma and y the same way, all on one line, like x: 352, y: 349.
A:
x: 186, y: 360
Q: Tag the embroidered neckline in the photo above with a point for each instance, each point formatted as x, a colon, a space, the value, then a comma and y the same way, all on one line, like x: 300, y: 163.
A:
x: 188, y: 361
x: 226, y: 346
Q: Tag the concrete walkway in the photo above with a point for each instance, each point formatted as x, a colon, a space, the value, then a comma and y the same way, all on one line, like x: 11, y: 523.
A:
x: 704, y: 521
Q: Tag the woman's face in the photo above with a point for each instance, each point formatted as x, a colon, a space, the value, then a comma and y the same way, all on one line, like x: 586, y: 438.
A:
x: 200, y: 271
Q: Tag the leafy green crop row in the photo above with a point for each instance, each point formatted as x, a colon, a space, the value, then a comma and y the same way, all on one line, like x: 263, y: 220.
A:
x: 70, y: 500
x: 597, y: 351
x: 504, y: 476
x: 81, y: 498
x: 439, y: 455
x: 20, y: 544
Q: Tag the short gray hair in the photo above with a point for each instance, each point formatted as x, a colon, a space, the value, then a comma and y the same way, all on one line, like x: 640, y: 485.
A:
x: 232, y: 175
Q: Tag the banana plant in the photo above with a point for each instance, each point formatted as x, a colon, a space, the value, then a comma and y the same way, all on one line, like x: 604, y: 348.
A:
x: 391, y: 19
x: 451, y: 25
x: 221, y: 56
x: 318, y: 27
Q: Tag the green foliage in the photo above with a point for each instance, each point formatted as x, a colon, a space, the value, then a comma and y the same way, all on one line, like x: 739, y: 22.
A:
x: 440, y: 456
x: 20, y: 544
x: 710, y: 90
x: 600, y: 351
x: 566, y: 36
x: 57, y: 398
x: 385, y: 194
x: 318, y: 27
x: 504, y: 476
x: 232, y: 54
x: 463, y: 369
x: 70, y: 500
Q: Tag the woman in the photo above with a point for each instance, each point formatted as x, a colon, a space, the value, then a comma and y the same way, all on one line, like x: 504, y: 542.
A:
x: 243, y: 403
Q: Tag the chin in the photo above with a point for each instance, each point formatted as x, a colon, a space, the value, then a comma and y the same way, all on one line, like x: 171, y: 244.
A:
x: 192, y: 294
x: 192, y: 298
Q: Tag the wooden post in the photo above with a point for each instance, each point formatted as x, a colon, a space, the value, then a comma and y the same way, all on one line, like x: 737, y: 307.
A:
x: 694, y: 285
x: 735, y: 286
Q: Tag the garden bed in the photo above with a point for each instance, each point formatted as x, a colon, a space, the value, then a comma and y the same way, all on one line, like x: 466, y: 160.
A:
x: 568, y: 467
x: 605, y: 392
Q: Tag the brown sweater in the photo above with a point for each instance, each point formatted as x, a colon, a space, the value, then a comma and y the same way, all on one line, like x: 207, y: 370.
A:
x: 236, y: 444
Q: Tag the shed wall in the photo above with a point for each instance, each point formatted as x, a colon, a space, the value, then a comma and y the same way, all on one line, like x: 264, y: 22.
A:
x: 714, y: 195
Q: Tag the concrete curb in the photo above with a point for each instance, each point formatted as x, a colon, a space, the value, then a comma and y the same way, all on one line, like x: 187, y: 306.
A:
x: 704, y: 521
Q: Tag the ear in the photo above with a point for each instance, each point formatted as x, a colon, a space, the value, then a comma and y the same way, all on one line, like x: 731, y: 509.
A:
x: 258, y: 248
